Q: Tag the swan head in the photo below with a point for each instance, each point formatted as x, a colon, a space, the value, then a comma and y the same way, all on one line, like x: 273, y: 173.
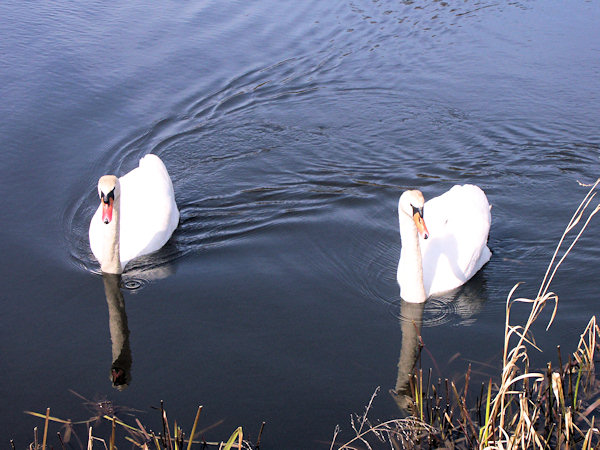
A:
x: 412, y: 203
x: 108, y: 191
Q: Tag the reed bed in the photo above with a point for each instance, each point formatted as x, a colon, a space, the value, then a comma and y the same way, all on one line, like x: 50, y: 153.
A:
x: 137, y: 435
x: 557, y: 407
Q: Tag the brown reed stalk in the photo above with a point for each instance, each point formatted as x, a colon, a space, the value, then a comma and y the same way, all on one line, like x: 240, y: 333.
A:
x: 111, y: 443
x: 46, y: 420
x: 262, y: 427
x: 193, y: 432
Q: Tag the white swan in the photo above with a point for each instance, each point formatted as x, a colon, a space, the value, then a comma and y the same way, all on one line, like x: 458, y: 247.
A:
x: 452, y: 246
x: 136, y: 216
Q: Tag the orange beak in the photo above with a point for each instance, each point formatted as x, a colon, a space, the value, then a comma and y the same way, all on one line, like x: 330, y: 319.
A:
x: 107, y: 210
x: 420, y: 223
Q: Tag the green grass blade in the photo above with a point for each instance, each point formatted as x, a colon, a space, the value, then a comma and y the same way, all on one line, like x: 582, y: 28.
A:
x: 236, y: 434
x: 576, y: 389
x: 484, y: 431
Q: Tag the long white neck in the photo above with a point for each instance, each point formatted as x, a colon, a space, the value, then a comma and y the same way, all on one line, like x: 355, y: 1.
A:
x: 410, y: 267
x: 111, y: 255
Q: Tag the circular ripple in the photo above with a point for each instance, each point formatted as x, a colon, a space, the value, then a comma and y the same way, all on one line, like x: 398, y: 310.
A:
x: 134, y: 284
x: 437, y: 312
x: 458, y: 307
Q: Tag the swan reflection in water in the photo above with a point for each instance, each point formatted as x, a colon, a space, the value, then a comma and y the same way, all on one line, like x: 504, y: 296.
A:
x: 411, y: 320
x: 120, y: 370
x: 139, y: 274
x: 464, y: 303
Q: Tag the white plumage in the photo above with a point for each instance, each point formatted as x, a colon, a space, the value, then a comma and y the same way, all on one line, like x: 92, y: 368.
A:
x: 458, y: 224
x: 145, y: 210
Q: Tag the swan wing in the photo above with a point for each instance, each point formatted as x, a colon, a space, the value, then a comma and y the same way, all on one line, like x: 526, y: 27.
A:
x: 149, y: 214
x: 459, y: 223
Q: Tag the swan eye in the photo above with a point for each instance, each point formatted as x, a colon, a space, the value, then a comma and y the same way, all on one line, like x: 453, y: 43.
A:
x: 106, y: 198
x: 418, y: 211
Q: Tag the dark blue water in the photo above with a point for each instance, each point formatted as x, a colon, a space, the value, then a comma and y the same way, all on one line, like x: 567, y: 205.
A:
x: 289, y: 131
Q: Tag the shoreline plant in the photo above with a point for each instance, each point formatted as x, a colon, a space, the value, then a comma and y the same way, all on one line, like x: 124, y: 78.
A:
x: 137, y: 435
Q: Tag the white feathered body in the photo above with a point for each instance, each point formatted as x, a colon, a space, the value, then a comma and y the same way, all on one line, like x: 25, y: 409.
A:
x: 148, y: 212
x: 459, y: 224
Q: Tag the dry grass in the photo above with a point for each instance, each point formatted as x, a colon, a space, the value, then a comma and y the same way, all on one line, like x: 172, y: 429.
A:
x: 534, y: 392
x: 401, y: 432
x: 137, y: 435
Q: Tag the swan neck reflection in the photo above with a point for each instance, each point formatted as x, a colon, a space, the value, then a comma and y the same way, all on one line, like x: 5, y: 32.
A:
x: 411, y: 318
x: 119, y: 331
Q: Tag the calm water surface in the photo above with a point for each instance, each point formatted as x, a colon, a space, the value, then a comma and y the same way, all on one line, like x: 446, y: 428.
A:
x: 290, y: 130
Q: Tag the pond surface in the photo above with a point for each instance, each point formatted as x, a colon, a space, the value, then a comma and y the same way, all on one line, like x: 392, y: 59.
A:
x: 289, y: 130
